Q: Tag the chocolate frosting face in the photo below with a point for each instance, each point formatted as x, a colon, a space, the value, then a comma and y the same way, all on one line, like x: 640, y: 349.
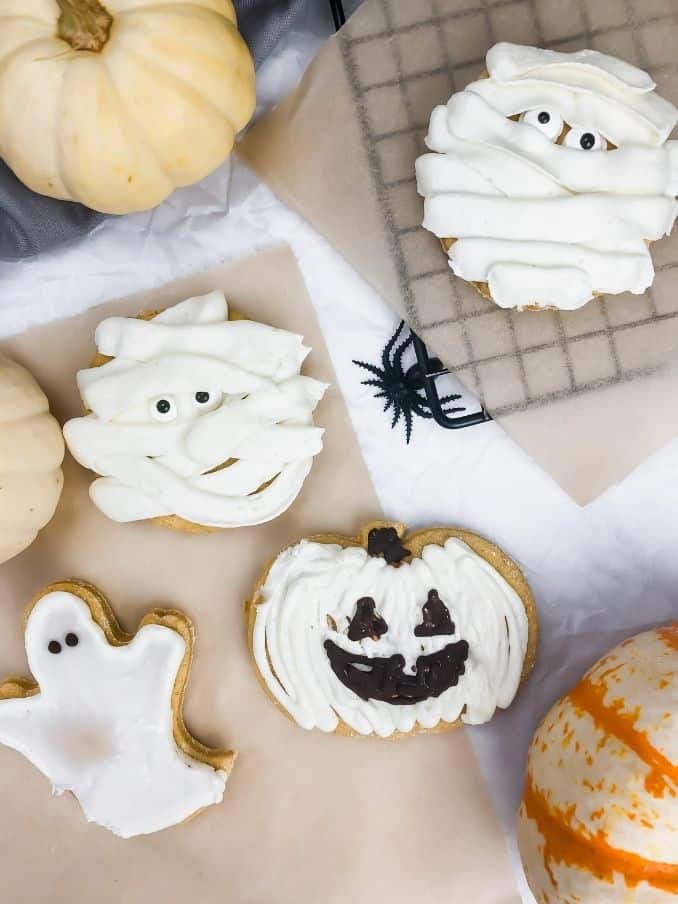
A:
x: 436, y: 618
x: 383, y: 677
x: 366, y: 622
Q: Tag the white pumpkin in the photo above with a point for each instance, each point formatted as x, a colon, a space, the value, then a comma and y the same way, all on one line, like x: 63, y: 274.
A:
x: 599, y: 819
x: 31, y: 452
x: 117, y: 105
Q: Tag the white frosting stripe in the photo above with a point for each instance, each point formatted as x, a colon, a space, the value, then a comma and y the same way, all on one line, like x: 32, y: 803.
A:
x: 108, y: 392
x: 579, y: 218
x: 310, y: 596
x: 627, y: 171
x: 447, y: 172
x: 506, y: 62
x: 510, y: 174
x: 518, y: 285
x: 473, y: 258
x: 261, y: 349
x: 621, y: 123
x: 210, y: 308
x: 194, y: 501
x: 186, y: 393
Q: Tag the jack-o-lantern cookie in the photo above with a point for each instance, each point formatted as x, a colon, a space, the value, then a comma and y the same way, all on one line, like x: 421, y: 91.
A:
x: 104, y: 719
x: 550, y: 176
x: 196, y: 419
x: 390, y: 633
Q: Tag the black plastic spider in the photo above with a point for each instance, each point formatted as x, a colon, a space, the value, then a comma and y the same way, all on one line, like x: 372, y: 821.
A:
x: 404, y: 390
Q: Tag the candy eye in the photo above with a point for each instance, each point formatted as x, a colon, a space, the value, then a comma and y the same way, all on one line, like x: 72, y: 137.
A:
x: 435, y: 618
x: 207, y: 399
x: 164, y: 409
x: 366, y: 622
x: 548, y: 122
x: 585, y: 140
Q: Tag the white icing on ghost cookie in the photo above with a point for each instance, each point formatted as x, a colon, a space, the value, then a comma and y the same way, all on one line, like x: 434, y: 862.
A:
x: 186, y: 392
x: 102, y: 719
x: 544, y: 215
x: 315, y: 591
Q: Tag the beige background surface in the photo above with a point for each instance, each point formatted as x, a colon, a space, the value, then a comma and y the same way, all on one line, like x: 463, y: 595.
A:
x: 341, y: 149
x: 306, y: 817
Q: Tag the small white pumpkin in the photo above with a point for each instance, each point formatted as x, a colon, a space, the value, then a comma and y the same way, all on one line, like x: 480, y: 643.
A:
x: 115, y: 106
x: 599, y: 819
x: 31, y: 452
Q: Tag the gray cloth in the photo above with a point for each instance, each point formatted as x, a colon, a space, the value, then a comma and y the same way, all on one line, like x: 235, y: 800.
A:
x: 31, y: 223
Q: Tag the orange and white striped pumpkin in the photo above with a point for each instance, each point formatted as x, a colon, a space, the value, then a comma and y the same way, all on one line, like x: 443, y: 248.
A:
x: 599, y: 818
x: 31, y: 452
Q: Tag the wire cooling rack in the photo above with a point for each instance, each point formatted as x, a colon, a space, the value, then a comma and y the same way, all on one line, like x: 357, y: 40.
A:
x: 429, y: 370
x: 432, y: 48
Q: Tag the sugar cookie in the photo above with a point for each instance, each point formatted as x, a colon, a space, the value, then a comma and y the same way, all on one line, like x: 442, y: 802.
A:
x: 197, y: 420
x: 391, y: 633
x: 550, y: 177
x: 104, y: 719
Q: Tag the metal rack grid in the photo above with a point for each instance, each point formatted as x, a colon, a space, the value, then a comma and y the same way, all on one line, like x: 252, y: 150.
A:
x: 433, y: 48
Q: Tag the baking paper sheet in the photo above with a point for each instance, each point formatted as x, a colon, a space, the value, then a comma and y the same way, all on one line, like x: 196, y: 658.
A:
x: 306, y: 817
x: 341, y: 149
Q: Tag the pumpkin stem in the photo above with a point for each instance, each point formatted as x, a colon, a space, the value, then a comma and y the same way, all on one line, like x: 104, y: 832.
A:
x: 84, y: 24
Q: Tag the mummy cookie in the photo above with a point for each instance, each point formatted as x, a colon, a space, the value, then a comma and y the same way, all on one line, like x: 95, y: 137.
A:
x: 550, y: 177
x: 390, y: 633
x: 104, y: 719
x: 198, y: 420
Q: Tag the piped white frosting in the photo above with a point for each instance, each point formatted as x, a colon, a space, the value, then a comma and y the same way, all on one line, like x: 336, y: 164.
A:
x: 310, y: 596
x: 101, y: 724
x: 534, y: 211
x: 258, y: 412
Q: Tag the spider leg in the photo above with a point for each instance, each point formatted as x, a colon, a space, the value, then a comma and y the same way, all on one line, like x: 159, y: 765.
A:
x: 408, y: 426
x: 371, y: 368
x: 386, y: 354
x: 450, y: 398
x: 397, y: 411
x: 379, y: 383
x: 400, y: 351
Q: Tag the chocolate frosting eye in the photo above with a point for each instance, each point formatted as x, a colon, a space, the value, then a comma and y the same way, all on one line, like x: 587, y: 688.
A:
x: 436, y: 618
x: 54, y: 646
x: 366, y: 622
x: 71, y: 639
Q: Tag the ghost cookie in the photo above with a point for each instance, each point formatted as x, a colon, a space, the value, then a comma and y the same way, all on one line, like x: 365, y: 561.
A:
x: 196, y: 420
x: 104, y: 719
x: 550, y: 177
x: 392, y: 633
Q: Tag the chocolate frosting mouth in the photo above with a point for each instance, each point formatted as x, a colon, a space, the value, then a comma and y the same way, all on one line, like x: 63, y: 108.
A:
x: 383, y: 677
